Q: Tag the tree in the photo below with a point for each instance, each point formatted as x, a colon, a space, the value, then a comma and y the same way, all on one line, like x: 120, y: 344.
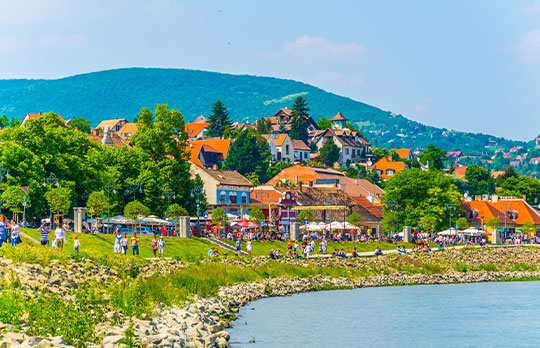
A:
x: 299, y: 120
x: 13, y: 197
x: 59, y: 199
x: 528, y: 227
x: 176, y: 211
x: 428, y: 223
x: 462, y: 223
x: 304, y: 215
x: 494, y: 222
x: 510, y: 172
x: 433, y: 156
x: 352, y: 172
x: 256, y: 215
x: 136, y: 209
x: 354, y: 219
x: 4, y: 121
x: 479, y: 180
x: 218, y: 119
x: 324, y: 123
x: 249, y: 153
x: 329, y: 152
x: 522, y: 186
x: 219, y: 216
x: 97, y: 203
x: 14, y: 122
x: 264, y: 126
x: 253, y: 178
x: 81, y: 123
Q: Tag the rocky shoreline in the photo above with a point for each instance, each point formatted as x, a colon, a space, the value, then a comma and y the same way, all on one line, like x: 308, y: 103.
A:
x: 203, y: 322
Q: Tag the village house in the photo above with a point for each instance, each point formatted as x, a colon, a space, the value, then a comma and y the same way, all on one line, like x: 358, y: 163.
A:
x: 460, y: 171
x: 281, y: 121
x: 405, y: 154
x: 127, y: 131
x: 281, y: 147
x: 353, y: 148
x: 114, y: 125
x: 107, y: 138
x: 387, y: 168
x: 196, y: 130
x: 28, y: 117
x: 301, y: 151
x: 209, y: 152
x: 339, y: 121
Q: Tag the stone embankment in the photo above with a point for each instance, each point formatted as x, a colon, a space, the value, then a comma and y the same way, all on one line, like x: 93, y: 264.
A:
x: 202, y: 323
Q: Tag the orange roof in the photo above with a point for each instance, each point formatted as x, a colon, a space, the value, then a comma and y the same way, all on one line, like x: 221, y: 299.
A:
x: 222, y: 145
x: 385, y: 163
x: 369, y: 206
x: 110, y: 123
x: 496, y: 174
x: 460, y: 171
x: 194, y: 150
x: 267, y: 196
x: 284, y: 110
x: 278, y: 139
x: 339, y: 117
x: 35, y: 116
x: 403, y: 153
x: 193, y: 129
x: 300, y: 145
x: 490, y: 210
x: 127, y: 130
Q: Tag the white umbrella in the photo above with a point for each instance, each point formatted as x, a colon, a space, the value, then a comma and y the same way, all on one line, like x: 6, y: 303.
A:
x: 448, y: 232
x: 154, y: 220
x: 311, y: 227
x: 473, y: 232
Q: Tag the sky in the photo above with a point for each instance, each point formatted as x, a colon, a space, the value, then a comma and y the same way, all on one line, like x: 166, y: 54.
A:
x: 465, y: 65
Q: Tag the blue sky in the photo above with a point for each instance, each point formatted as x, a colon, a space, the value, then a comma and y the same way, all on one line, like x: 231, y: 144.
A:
x: 466, y: 65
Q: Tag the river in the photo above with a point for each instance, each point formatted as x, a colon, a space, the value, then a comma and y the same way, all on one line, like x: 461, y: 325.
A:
x: 458, y: 315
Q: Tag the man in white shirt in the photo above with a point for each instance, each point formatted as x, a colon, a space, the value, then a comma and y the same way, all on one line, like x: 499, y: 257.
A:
x: 60, y: 236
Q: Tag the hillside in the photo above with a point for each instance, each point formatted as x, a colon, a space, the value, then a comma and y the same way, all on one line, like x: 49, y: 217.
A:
x: 122, y: 92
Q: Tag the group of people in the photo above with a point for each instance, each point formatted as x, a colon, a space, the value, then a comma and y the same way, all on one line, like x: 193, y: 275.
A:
x: 9, y: 232
x: 121, y: 243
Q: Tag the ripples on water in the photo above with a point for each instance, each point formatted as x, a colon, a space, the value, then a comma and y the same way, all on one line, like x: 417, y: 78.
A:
x: 460, y: 315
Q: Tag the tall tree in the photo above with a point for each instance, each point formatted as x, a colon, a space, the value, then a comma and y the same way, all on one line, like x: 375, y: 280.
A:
x: 299, y: 120
x: 329, y: 152
x: 59, y: 199
x: 479, y: 180
x: 97, y: 203
x: 219, y: 120
x: 324, y: 123
x: 264, y: 126
x: 433, y: 156
x: 250, y: 153
x: 81, y: 123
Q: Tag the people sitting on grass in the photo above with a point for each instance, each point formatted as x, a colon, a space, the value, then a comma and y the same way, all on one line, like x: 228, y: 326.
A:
x: 378, y: 251
x: 440, y: 247
x: 401, y: 250
x: 354, y: 253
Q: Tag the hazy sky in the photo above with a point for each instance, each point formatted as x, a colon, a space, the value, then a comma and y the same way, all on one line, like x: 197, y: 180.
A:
x: 466, y: 65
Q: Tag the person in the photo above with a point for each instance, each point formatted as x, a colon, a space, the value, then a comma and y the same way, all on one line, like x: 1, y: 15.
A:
x: 238, y: 246
x: 15, y: 237
x: 76, y: 245
x: 154, y: 245
x: 296, y: 248
x: 324, y: 245
x: 161, y: 245
x: 117, y: 239
x: 134, y: 244
x: 44, y: 231
x: 210, y: 252
x: 354, y: 252
x: 124, y: 243
x: 59, y: 237
x: 249, y: 247
x: 3, y: 229
x: 378, y: 251
x: 163, y: 230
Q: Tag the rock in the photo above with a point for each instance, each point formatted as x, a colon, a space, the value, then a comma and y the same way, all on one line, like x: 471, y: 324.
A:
x: 112, y: 340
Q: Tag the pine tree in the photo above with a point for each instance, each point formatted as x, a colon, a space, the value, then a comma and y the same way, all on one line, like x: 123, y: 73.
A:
x: 219, y: 120
x: 299, y: 120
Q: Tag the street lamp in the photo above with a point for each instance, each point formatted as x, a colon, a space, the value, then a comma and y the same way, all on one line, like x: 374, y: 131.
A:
x: 198, y: 193
x: 168, y: 194
x: 451, y: 209
x: 4, y: 173
x: 330, y: 199
x: 50, y: 181
x: 134, y: 188
x: 108, y: 188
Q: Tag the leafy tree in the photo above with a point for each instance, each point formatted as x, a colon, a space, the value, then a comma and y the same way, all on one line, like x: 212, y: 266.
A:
x: 4, y: 121
x: 299, y: 120
x: 528, y: 228
x: 433, y: 156
x: 324, y: 123
x: 479, y: 180
x: 219, y: 216
x: 134, y: 209
x: 352, y: 172
x: 13, y: 197
x: 362, y: 171
x: 510, y: 172
x: 522, y: 186
x: 303, y: 215
x: 14, y: 122
x: 354, y: 219
x: 249, y: 153
x: 329, y: 152
x: 494, y: 222
x: 276, y: 168
x: 176, y: 211
x: 253, y: 178
x: 81, y: 123
x: 264, y: 126
x: 419, y: 193
x: 428, y: 223
x: 59, y: 199
x: 97, y: 203
x: 218, y: 119
x: 462, y: 223
x: 256, y: 215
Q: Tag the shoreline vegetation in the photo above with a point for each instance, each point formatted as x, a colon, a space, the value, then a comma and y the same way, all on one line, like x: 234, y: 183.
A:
x: 98, y: 299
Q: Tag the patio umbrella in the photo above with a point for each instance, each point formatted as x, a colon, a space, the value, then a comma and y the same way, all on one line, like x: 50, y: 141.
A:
x: 448, y: 232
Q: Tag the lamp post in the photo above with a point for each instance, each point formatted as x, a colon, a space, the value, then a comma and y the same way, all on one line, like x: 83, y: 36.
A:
x: 50, y: 181
x: 330, y: 199
x: 108, y: 188
x: 168, y: 194
x: 134, y: 188
x: 198, y: 192
x: 4, y: 173
x: 260, y: 194
x: 505, y: 209
x: 451, y: 209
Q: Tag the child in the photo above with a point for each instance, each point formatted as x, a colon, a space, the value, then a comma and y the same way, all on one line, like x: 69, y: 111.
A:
x: 76, y: 245
x: 154, y: 245
x: 124, y: 243
x: 249, y: 247
x: 161, y: 245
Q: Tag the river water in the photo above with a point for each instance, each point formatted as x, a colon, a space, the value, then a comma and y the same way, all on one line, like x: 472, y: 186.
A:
x: 457, y: 315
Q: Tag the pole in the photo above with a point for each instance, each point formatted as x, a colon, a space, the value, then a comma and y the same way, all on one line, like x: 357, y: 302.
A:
x: 108, y: 188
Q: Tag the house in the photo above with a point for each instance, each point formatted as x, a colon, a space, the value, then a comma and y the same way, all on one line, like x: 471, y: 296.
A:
x: 301, y: 151
x: 512, y: 212
x: 281, y: 121
x: 281, y: 147
x: 28, y: 117
x: 107, y: 138
x: 127, y: 131
x: 275, y: 204
x: 224, y: 188
x: 200, y: 119
x: 460, y: 171
x: 339, y: 121
x: 405, y: 154
x: 454, y: 154
x: 353, y: 148
x: 114, y: 125
x: 325, y: 177
x: 388, y: 168
x: 211, y: 149
x: 196, y: 130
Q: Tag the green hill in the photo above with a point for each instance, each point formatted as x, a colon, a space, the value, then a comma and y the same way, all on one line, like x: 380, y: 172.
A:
x: 122, y: 93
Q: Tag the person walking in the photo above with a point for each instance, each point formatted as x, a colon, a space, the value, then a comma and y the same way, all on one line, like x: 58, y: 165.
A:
x: 44, y: 232
x: 60, y: 237
x: 134, y: 244
x: 249, y: 246
x: 238, y: 246
x: 161, y: 245
x: 117, y: 239
x: 154, y: 245
x: 15, y: 236
x: 76, y: 245
x: 124, y: 244
x: 3, y: 229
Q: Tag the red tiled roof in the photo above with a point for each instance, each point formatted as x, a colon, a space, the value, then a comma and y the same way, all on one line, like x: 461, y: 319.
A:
x: 300, y: 145
x: 384, y: 163
x: 193, y: 129
x: 339, y: 117
x: 490, y: 210
x: 277, y: 138
x: 460, y: 171
x: 369, y: 206
x: 403, y: 153
x: 222, y: 145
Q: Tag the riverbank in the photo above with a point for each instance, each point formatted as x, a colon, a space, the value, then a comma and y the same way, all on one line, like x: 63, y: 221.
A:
x: 172, y: 303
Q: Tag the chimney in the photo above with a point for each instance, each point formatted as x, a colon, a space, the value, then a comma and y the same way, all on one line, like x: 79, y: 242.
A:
x: 524, y: 197
x: 296, y: 179
x: 107, y: 140
x: 494, y: 198
x: 477, y: 197
x: 214, y: 167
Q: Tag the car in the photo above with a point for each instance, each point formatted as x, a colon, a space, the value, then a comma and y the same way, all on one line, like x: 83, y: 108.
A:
x: 141, y: 231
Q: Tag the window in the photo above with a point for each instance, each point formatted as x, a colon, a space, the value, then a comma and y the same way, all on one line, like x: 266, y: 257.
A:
x: 390, y: 172
x: 232, y: 198
x: 305, y: 155
x: 287, y: 149
x: 222, y: 198
x: 244, y: 198
x: 346, y: 151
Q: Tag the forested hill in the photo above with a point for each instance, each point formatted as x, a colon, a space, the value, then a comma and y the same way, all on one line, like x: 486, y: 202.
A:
x: 122, y: 93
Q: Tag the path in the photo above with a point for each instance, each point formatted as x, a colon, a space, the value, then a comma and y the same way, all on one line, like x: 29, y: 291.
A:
x: 29, y: 237
x: 223, y: 245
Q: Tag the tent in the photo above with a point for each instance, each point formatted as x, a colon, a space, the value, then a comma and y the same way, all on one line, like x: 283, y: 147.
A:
x: 311, y: 227
x: 472, y: 232
x: 244, y: 223
x: 154, y: 220
x: 448, y: 232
